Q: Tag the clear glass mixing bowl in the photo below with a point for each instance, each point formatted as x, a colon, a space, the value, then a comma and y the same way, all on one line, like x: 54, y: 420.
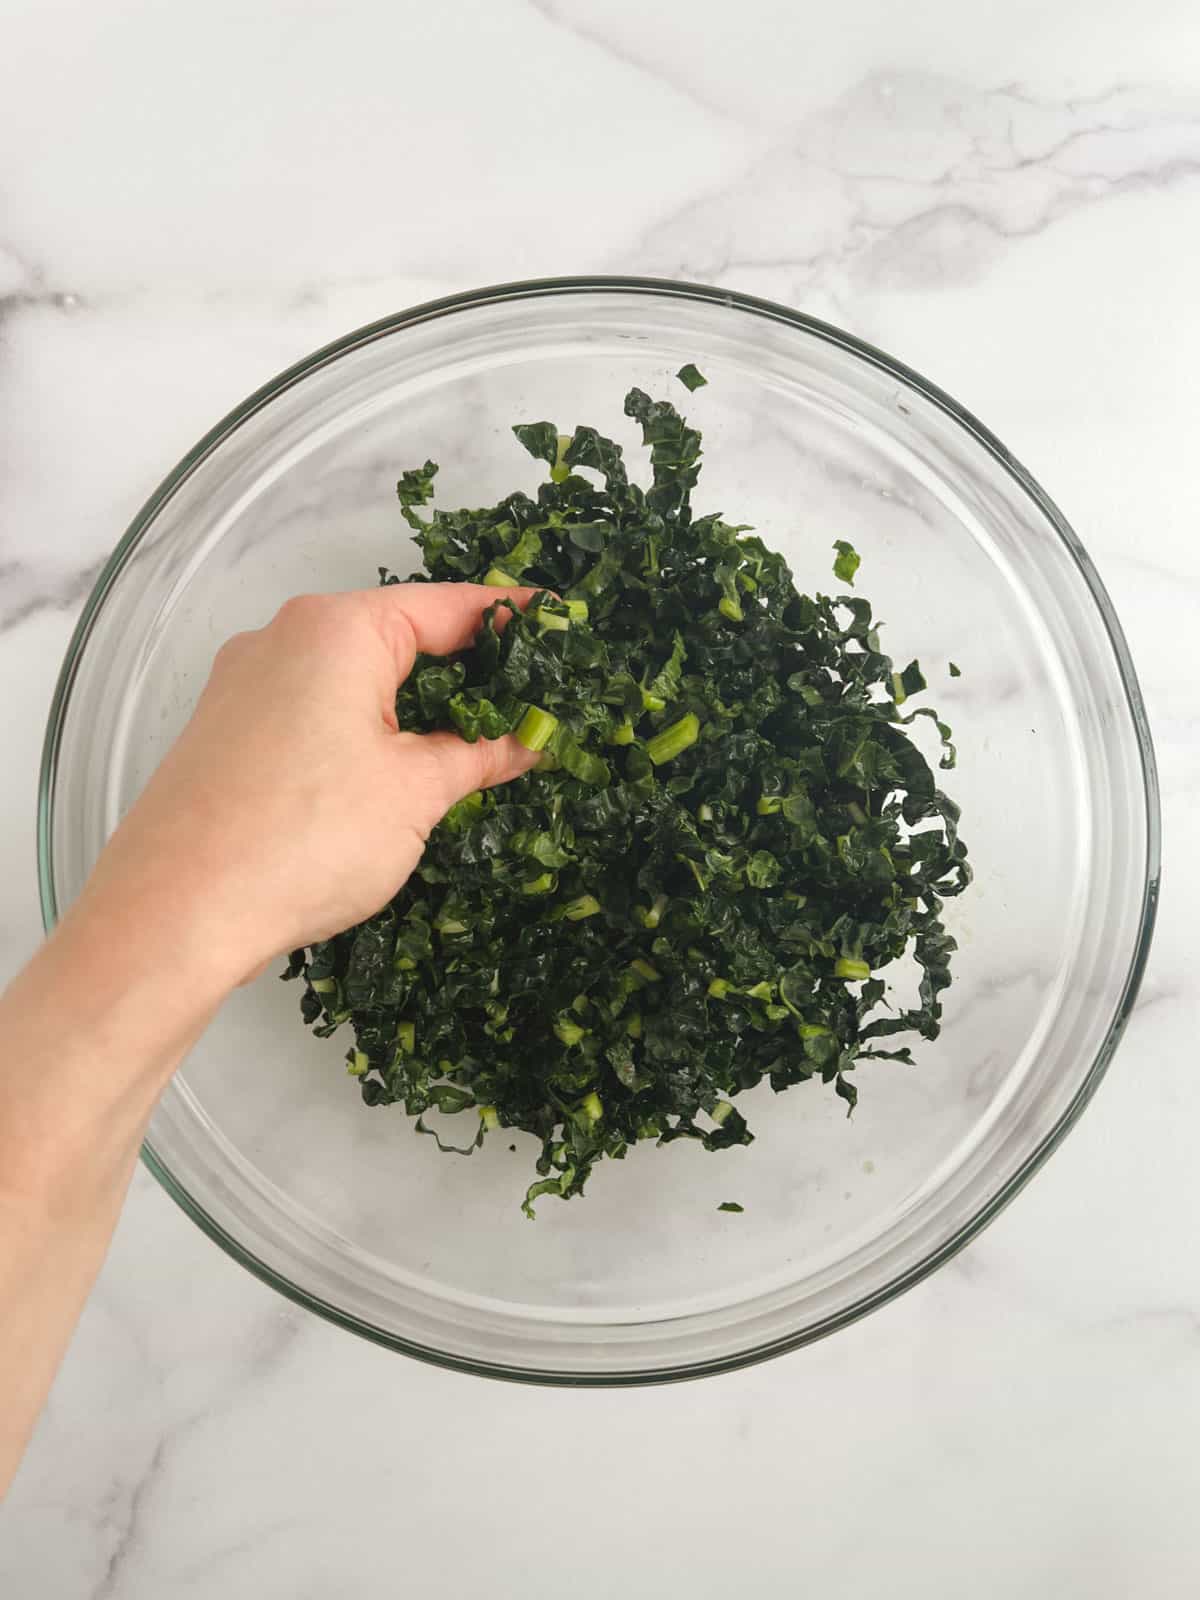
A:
x: 810, y: 435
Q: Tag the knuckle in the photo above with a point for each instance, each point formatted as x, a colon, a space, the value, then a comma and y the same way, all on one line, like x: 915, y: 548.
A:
x: 313, y: 622
x: 302, y: 610
x: 493, y: 762
x: 232, y: 650
x: 490, y: 759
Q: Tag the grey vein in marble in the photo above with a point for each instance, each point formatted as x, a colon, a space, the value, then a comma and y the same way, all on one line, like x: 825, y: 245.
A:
x: 590, y: 31
x: 913, y: 182
x: 127, y: 1538
x: 275, y: 1337
x: 32, y: 597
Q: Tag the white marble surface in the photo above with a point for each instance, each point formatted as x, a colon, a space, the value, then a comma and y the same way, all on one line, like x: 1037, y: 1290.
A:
x: 1008, y: 198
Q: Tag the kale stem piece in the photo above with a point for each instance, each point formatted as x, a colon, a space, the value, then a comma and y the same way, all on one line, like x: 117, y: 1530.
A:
x: 653, y: 916
x: 585, y: 906
x: 673, y: 741
x: 536, y: 728
x: 846, y: 967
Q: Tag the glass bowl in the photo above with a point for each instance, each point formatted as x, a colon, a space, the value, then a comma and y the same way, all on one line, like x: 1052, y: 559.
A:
x: 810, y: 435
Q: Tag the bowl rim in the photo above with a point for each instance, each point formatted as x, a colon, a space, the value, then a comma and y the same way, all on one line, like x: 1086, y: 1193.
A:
x: 532, y: 289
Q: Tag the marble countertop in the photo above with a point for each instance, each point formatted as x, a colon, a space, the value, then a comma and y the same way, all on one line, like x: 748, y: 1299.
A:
x: 1008, y: 198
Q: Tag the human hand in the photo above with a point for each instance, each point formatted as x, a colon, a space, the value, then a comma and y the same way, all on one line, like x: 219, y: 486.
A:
x: 291, y: 807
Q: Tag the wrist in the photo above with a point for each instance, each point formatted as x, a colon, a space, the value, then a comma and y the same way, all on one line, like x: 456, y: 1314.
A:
x: 152, y: 921
x: 94, y: 1027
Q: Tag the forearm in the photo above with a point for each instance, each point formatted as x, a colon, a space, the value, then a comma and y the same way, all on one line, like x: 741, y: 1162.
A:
x: 89, y: 1035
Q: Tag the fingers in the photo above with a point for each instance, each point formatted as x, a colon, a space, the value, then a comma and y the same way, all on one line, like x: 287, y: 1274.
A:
x: 434, y: 618
x: 438, y: 619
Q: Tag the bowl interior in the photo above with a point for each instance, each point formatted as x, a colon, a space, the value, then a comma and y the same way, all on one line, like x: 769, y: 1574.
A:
x: 263, y: 1135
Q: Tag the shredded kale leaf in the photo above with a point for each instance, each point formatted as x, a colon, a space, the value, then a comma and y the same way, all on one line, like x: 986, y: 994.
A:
x: 730, y: 845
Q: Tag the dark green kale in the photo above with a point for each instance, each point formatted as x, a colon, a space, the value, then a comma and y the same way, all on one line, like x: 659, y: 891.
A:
x: 730, y: 844
x: 730, y: 1205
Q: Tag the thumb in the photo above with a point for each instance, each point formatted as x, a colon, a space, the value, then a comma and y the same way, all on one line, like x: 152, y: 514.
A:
x: 457, y: 768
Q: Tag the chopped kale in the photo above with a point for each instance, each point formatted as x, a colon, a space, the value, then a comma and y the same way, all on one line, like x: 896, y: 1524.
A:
x: 730, y: 845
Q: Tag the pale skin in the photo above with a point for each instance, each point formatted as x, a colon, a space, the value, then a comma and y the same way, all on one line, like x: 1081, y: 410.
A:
x: 289, y: 808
